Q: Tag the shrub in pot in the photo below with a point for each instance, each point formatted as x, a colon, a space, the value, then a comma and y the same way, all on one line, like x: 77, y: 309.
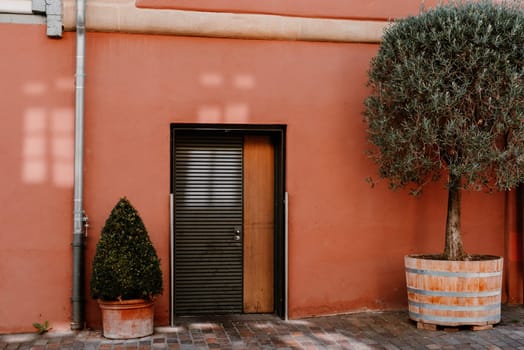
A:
x: 447, y: 104
x: 126, y: 274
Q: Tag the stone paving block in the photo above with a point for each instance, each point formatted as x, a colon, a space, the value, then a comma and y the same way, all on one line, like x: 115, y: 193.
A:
x: 187, y: 347
x: 478, y: 346
x: 389, y: 331
x: 34, y: 347
x: 406, y: 347
x: 89, y: 346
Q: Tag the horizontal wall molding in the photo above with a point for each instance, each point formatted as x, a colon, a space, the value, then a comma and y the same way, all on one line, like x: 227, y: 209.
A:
x: 16, y: 6
x: 47, y: 12
x: 21, y: 19
x: 124, y: 17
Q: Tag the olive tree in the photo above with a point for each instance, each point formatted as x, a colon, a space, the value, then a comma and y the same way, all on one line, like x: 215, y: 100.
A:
x: 447, y: 103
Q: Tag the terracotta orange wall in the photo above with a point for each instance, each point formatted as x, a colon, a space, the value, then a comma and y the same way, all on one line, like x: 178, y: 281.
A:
x: 379, y: 10
x: 36, y: 138
x: 513, y: 241
x: 347, y: 240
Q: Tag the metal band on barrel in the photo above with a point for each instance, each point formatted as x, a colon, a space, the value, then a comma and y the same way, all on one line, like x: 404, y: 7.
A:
x: 461, y: 320
x: 454, y: 274
x: 454, y: 294
x: 455, y: 307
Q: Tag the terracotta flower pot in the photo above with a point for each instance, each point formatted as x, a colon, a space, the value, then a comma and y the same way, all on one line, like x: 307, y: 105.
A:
x: 127, y: 319
x: 454, y: 293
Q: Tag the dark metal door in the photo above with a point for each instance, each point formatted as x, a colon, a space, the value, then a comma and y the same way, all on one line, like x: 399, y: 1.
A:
x: 208, y: 224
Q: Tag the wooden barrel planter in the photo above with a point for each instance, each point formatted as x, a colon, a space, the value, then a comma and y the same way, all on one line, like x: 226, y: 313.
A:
x: 454, y: 293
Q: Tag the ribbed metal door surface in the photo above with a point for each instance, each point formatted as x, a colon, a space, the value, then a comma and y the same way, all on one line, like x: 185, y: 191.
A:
x: 208, y: 224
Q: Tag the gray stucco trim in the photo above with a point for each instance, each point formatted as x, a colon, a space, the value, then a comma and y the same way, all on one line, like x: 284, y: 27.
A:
x: 53, y: 10
x: 38, y: 6
x: 47, y: 12
x: 22, y: 19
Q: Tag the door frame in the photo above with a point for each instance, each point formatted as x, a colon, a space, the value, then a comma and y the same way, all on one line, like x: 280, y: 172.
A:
x: 277, y: 132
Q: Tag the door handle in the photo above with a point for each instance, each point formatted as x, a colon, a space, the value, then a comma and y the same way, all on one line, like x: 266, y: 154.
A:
x: 236, y: 234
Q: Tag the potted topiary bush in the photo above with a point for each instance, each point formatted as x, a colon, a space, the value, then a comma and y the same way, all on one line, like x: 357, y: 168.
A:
x: 126, y: 275
x: 447, y: 103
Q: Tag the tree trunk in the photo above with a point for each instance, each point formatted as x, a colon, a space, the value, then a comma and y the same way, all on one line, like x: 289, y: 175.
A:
x: 454, y: 249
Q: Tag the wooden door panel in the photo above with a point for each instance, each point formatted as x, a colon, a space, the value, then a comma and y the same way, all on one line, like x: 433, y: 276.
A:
x: 258, y: 224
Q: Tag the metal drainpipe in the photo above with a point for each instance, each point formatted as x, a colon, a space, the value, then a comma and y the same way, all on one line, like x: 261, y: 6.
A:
x: 78, y: 217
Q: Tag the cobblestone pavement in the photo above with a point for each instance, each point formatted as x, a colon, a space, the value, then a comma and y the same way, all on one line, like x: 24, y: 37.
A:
x: 363, y: 331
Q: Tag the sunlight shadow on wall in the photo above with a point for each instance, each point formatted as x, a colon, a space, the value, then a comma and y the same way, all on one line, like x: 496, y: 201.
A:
x: 34, y: 88
x: 210, y: 114
x: 236, y: 112
x: 244, y: 81
x: 48, y: 140
x: 34, y: 168
x: 62, y: 150
x: 211, y: 79
x: 230, y: 112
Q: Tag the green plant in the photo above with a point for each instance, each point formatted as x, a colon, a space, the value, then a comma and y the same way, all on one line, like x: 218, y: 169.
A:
x: 447, y: 102
x: 42, y: 328
x: 125, y: 265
